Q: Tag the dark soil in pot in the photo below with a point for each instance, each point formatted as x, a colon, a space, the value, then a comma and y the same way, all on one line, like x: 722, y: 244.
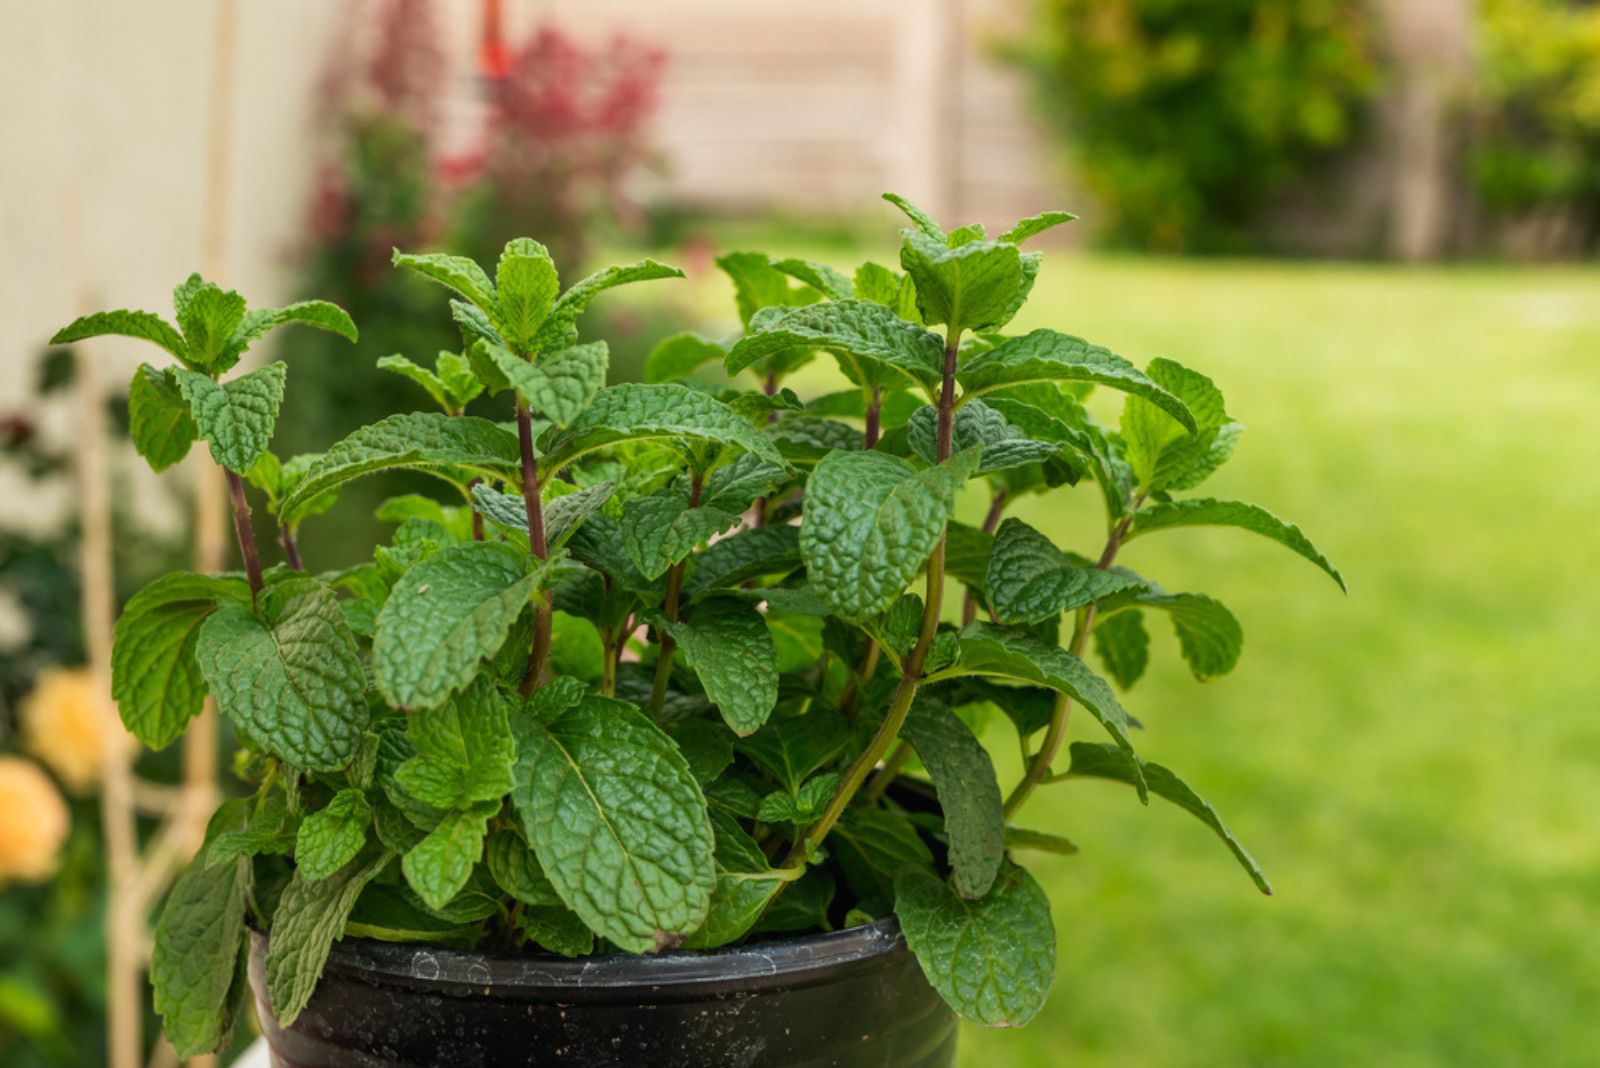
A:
x: 852, y: 998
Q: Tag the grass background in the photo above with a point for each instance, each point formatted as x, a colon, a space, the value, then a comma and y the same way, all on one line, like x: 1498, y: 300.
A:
x: 1417, y: 765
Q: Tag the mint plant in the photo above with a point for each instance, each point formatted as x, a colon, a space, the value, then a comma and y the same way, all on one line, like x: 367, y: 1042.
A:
x: 653, y: 671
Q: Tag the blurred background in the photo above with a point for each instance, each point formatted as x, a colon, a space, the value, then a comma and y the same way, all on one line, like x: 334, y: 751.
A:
x: 1373, y: 222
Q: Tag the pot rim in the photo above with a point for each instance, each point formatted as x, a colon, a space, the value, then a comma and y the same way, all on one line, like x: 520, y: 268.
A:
x: 786, y: 962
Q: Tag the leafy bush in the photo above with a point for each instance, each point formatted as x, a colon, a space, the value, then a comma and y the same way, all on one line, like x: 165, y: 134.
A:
x: 652, y: 677
x: 1183, y: 117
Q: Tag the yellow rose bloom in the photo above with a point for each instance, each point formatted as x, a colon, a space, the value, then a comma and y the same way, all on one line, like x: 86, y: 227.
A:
x: 33, y: 821
x: 61, y: 725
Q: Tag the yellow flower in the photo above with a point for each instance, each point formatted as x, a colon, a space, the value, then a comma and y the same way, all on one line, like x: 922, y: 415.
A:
x: 33, y: 821
x: 62, y: 726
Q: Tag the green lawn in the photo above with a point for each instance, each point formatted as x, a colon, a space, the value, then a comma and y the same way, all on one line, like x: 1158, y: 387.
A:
x: 1417, y: 765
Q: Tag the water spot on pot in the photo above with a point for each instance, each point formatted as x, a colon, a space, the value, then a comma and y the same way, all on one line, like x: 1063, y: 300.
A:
x: 425, y: 966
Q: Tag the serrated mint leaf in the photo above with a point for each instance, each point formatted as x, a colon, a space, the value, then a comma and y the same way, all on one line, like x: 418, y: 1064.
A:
x: 309, y: 919
x: 440, y: 865
x: 236, y: 417
x: 331, y: 837
x: 559, y: 329
x: 256, y: 324
x: 430, y: 382
x: 1034, y: 225
x: 155, y: 681
x: 618, y: 822
x: 1049, y: 356
x: 1123, y: 646
x: 1165, y: 456
x: 757, y: 283
x: 474, y: 324
x: 526, y: 285
x: 555, y: 697
x: 791, y: 749
x: 872, y: 846
x: 464, y: 750
x: 271, y: 829
x: 973, y: 286
x: 138, y: 324
x: 871, y: 522
x: 661, y: 529
x: 805, y: 440
x: 1093, y: 760
x: 293, y: 680
x: 208, y: 316
x: 517, y: 871
x: 993, y: 959
x: 444, y: 616
x: 728, y: 645
x: 990, y: 650
x: 1208, y: 511
x: 666, y: 411
x: 799, y: 807
x: 735, y: 486
x: 1029, y: 579
x: 1039, y: 842
x: 745, y: 885
x: 969, y: 792
x: 1208, y: 634
x: 819, y: 276
x: 679, y: 355
x: 706, y: 745
x: 856, y: 330
x: 746, y: 554
x: 197, y: 943
x: 558, y: 385
x: 158, y: 418
x: 977, y: 424
x: 921, y: 219
x: 453, y: 272
x: 563, y: 515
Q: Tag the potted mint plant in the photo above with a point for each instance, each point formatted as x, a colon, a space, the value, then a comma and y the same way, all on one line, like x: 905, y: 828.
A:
x: 638, y: 744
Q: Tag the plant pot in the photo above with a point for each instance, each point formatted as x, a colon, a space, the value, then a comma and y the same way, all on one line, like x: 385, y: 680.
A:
x: 853, y: 997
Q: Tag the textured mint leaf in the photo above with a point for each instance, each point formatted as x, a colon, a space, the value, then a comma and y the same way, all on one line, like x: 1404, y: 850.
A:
x: 976, y: 424
x: 1092, y: 760
x: 661, y: 529
x: 1047, y: 413
x: 802, y: 806
x: 440, y: 865
x: 805, y: 440
x: 430, y: 382
x: 966, y: 555
x: 728, y: 645
x: 560, y: 330
x: 666, y: 411
x: 973, y: 286
x: 746, y: 554
x: 155, y: 681
x: 387, y: 914
x: 893, y: 290
x: 271, y: 829
x: 993, y: 959
x: 474, y: 324
x: 1163, y: 455
x: 1034, y: 225
x: 331, y: 837
x: 256, y: 324
x: 873, y: 845
x: 618, y: 822
x: 791, y: 749
x: 558, y: 385
x: 1049, y: 356
x: 1208, y: 511
x: 139, y: 324
x: 444, y: 616
x: 969, y: 792
x: 1039, y: 841
x: 453, y: 272
x: 236, y: 417
x: 679, y: 355
x: 526, y: 284
x: 464, y: 750
x: 197, y: 942
x: 735, y: 486
x: 819, y: 276
x: 557, y: 929
x: 559, y: 695
x: 563, y: 515
x: 292, y: 681
x: 310, y: 917
x: 990, y: 650
x: 757, y: 284
x: 1208, y: 634
x: 454, y: 447
x: 706, y: 745
x: 517, y: 871
x: 1123, y: 646
x: 856, y: 330
x: 208, y: 316
x: 158, y: 417
x: 745, y: 885
x: 871, y: 522
x: 1030, y: 580
x: 919, y: 218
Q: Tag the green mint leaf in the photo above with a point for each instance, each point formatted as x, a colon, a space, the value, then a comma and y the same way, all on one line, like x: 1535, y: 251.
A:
x: 562, y: 515
x: 387, y: 914
x: 464, y: 750
x: 208, y: 316
x: 271, y: 830
x: 256, y: 324
x: 1208, y: 634
x: 977, y: 424
x: 819, y: 276
x: 1164, y: 456
x: 236, y: 417
x: 1049, y: 356
x: 1030, y: 580
x: 745, y: 885
x: 873, y: 846
x: 1047, y: 413
x: 921, y: 219
x: 197, y: 942
x: 757, y: 284
x: 799, y: 807
x: 158, y: 417
x: 453, y: 447
x: 666, y: 411
x: 1208, y: 511
x: 292, y: 681
x: 990, y: 650
x: 1039, y: 841
x: 558, y: 929
x: 728, y: 645
x: 557, y: 386
x: 857, y: 331
x: 661, y: 529
x: 969, y: 792
x: 138, y: 324
x: 758, y: 552
x: 474, y: 324
x: 1123, y: 646
x: 444, y: 616
x: 791, y: 749
x: 517, y: 871
x: 973, y: 286
x: 453, y: 272
x: 331, y: 837
x: 430, y: 382
x: 735, y: 486
x: 310, y: 917
x: 1034, y: 225
x: 706, y: 745
x: 439, y: 866
x: 893, y: 290
x: 526, y: 285
x: 618, y: 822
x: 1094, y: 760
x: 992, y: 960
x: 679, y: 356
x: 805, y: 440
x: 155, y: 681
x: 560, y: 330
x: 872, y: 520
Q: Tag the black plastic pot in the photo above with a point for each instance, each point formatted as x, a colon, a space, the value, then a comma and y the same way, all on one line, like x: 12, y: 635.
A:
x: 849, y: 998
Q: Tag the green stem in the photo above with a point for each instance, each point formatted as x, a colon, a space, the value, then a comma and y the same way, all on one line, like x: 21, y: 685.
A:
x: 889, y: 772
x: 534, y: 509
x: 669, y: 608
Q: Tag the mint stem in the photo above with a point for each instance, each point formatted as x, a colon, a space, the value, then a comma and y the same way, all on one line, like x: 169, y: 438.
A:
x: 874, y: 415
x: 291, y: 549
x: 244, y: 532
x: 535, y: 512
x: 658, y: 686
